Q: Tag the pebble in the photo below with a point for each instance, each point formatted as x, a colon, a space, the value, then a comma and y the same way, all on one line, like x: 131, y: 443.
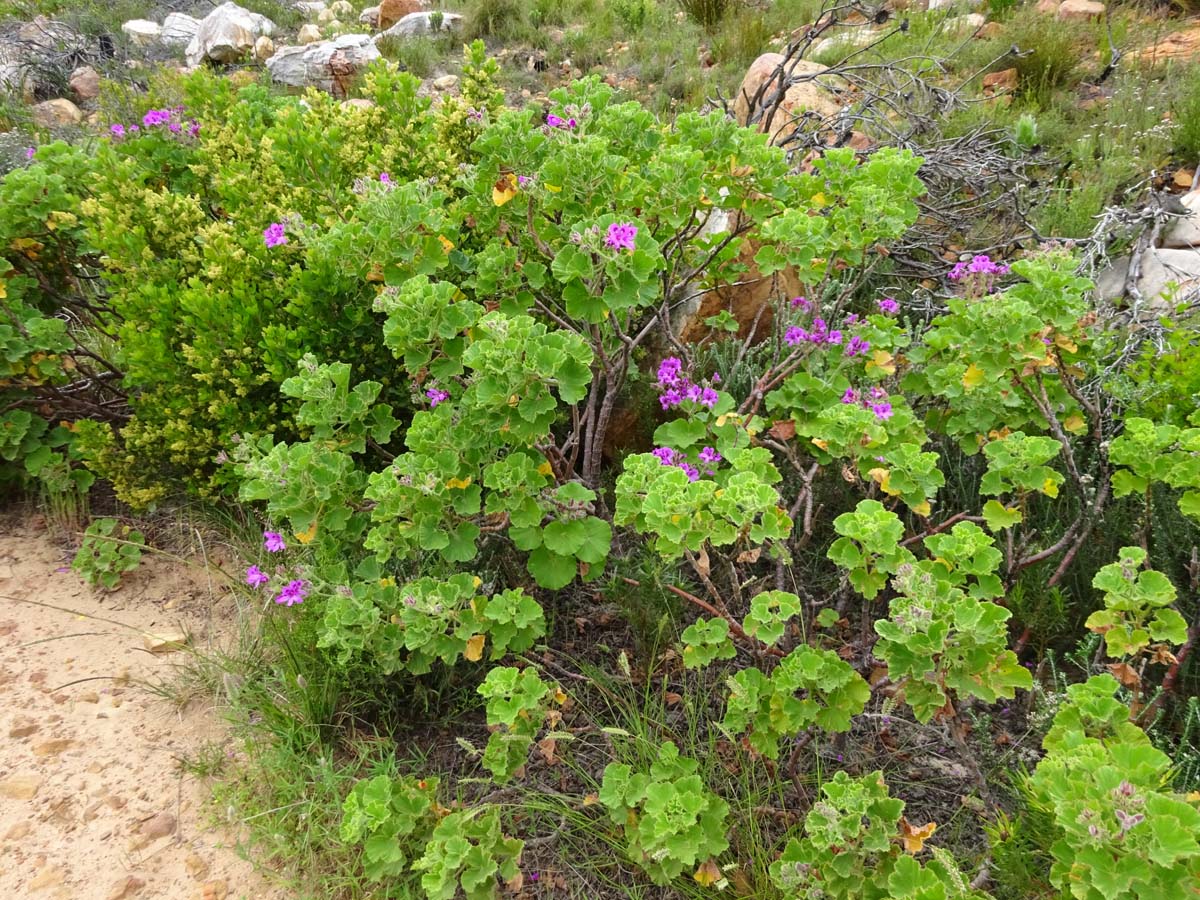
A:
x: 20, y: 787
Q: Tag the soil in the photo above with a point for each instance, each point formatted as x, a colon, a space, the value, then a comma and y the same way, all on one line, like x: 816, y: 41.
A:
x: 93, y: 802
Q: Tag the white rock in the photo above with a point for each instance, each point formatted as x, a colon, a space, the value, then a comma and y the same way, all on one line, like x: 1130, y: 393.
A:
x: 341, y: 8
x: 58, y: 112
x: 1163, y: 268
x: 178, y: 29
x: 309, y: 34
x: 446, y: 82
x: 313, y: 65
x: 948, y: 4
x: 1185, y: 232
x: 142, y: 32
x: 419, y: 23
x: 227, y: 34
x: 969, y: 22
x: 310, y: 7
x: 326, y: 16
x: 166, y: 642
x: 369, y: 16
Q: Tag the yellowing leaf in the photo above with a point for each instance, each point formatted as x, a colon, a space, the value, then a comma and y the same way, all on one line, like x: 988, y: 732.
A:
x: 883, y: 361
x: 306, y: 536
x: 973, y: 377
x: 545, y: 469
x: 818, y: 200
x: 476, y: 581
x: 1075, y: 424
x: 922, y: 508
x: 3, y: 291
x: 560, y: 696
x: 914, y: 838
x: 708, y: 874
x: 459, y: 483
x: 474, y: 651
x: 553, y: 188
x: 1066, y: 343
x: 824, y: 445
x: 1049, y: 488
x: 591, y: 799
x: 447, y: 245
x: 504, y: 189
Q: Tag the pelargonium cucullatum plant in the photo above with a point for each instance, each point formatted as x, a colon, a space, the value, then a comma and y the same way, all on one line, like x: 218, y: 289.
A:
x: 430, y: 376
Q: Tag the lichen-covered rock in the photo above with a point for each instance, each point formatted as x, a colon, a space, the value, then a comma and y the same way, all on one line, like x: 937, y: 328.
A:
x: 328, y: 65
x: 227, y: 34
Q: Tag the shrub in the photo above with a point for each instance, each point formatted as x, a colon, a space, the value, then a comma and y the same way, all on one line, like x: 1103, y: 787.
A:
x: 108, y: 552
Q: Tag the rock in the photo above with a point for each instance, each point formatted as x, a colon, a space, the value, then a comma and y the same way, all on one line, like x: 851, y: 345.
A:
x: 341, y: 8
x: 47, y: 878
x: 369, y: 16
x: 990, y: 31
x: 392, y: 11
x: 308, y: 34
x: 358, y: 103
x: 264, y: 49
x: 846, y: 41
x: 166, y: 642
x: 214, y: 890
x: 56, y: 113
x: 1185, y: 232
x: 327, y: 65
x: 44, y: 34
x: 142, y: 32
x: 949, y: 4
x: 1080, y: 10
x: 20, y: 787
x: 1048, y: 7
x: 419, y: 23
x: 446, y: 82
x: 23, y: 728
x: 1160, y: 269
x: 969, y: 22
x: 325, y: 16
x: 17, y: 832
x: 1000, y: 82
x: 1177, y: 45
x: 803, y: 96
x: 227, y: 34
x: 124, y: 888
x: 178, y: 29
x: 335, y: 26
x: 310, y: 7
x: 52, y: 747
x: 197, y: 866
x: 85, y: 83
x: 158, y: 826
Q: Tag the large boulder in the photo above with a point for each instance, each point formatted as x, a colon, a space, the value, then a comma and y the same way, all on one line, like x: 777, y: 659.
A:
x: 178, y: 30
x: 418, y: 23
x: 392, y: 11
x: 804, y: 96
x: 227, y: 34
x: 1185, y: 232
x: 328, y: 65
x: 1163, y: 269
x: 56, y: 113
x: 85, y: 83
x: 142, y: 32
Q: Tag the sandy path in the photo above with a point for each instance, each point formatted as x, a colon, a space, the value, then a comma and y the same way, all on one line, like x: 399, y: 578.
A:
x: 93, y: 805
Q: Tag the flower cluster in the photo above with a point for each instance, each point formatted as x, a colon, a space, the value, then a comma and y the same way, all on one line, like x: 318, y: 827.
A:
x: 436, y: 396
x: 293, y: 592
x: 621, y: 236
x: 979, y: 275
x: 670, y: 457
x: 170, y: 118
x: 677, y: 388
x: 820, y: 333
x: 559, y: 122
x: 876, y: 400
x: 273, y: 541
x: 888, y: 305
x: 274, y: 235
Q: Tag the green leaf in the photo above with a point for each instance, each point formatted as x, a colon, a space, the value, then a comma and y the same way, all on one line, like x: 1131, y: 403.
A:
x: 998, y: 516
x: 551, y: 570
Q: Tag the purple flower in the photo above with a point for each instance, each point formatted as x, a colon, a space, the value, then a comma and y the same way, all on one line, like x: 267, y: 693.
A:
x: 29, y: 151
x: 156, y: 117
x: 709, y: 398
x: 256, y: 577
x: 274, y: 236
x: 693, y: 393
x: 522, y: 180
x: 851, y: 396
x: 795, y: 335
x: 856, y: 346
x: 294, y: 592
x: 273, y: 541
x: 620, y: 236
x: 175, y: 128
x: 436, y: 396
x: 802, y: 303
x: 882, y: 410
x: 670, y: 398
x: 852, y: 319
x: 194, y: 129
x: 834, y: 337
x: 710, y: 455
x: 888, y: 305
x: 665, y: 455
x: 117, y: 130
x: 878, y: 393
x: 690, y: 471
x: 668, y: 371
x: 385, y: 178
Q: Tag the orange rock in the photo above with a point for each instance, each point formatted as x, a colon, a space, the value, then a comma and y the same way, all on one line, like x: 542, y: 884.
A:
x: 1179, y: 45
x: 392, y: 11
x: 1048, y: 7
x: 806, y: 96
x: 1080, y: 10
x: 1000, y: 82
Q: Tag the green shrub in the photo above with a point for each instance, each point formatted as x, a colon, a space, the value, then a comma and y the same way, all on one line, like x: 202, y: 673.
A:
x: 108, y: 551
